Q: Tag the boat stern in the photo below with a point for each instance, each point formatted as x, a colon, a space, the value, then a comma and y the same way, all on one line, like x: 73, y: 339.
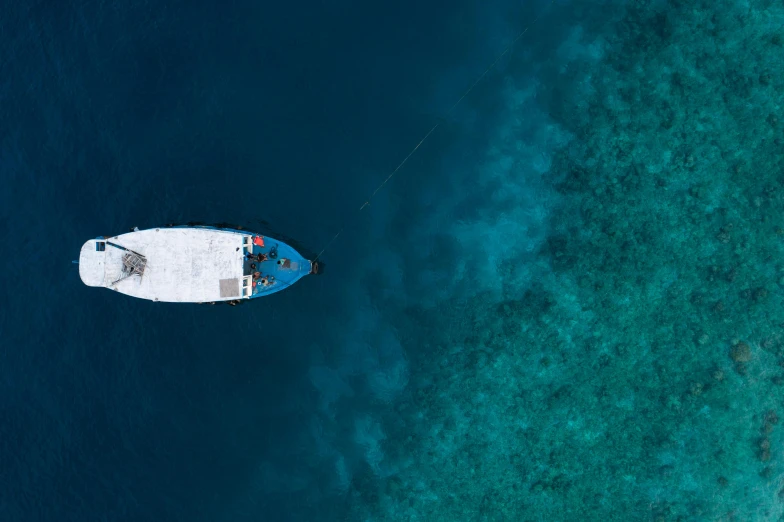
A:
x: 92, y: 260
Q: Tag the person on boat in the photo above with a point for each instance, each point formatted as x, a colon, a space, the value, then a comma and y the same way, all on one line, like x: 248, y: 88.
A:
x: 261, y: 257
x: 284, y: 263
x: 253, y: 266
x: 249, y: 255
x: 256, y: 275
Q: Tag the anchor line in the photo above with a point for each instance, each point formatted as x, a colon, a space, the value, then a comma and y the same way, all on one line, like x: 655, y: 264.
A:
x: 466, y: 93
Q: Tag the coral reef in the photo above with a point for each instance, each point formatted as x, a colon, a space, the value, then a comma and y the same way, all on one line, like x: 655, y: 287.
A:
x: 597, y: 371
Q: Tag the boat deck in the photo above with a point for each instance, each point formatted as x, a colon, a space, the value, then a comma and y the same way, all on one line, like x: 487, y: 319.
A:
x: 283, y: 267
x: 181, y: 264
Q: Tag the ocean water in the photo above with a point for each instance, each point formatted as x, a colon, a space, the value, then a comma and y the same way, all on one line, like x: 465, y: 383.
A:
x: 567, y: 305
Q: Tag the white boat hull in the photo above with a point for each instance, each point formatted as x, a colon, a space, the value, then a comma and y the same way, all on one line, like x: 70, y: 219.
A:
x: 187, y: 265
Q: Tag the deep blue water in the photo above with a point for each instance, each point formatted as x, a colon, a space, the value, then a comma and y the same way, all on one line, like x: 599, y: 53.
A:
x: 121, y: 114
x: 565, y: 306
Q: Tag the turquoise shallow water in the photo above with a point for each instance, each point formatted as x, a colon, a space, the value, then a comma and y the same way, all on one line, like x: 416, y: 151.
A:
x: 566, y: 306
x: 596, y: 330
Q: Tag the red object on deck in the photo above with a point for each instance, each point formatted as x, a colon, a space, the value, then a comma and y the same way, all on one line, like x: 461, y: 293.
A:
x: 258, y: 241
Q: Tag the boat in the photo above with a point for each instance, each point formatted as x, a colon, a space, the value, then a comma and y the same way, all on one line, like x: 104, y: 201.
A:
x: 192, y: 264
